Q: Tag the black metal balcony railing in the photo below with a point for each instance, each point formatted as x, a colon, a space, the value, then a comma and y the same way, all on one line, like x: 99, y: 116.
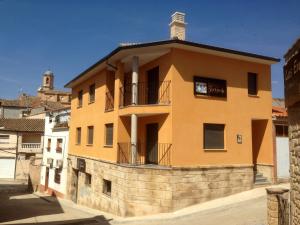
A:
x: 109, y: 101
x: 160, y: 154
x: 148, y: 93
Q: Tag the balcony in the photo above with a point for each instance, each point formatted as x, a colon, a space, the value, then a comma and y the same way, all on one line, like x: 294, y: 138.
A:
x: 147, y: 154
x: 148, y: 93
x: 31, y: 147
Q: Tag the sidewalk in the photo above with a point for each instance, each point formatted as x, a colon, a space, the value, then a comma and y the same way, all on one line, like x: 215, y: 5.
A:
x: 188, y: 211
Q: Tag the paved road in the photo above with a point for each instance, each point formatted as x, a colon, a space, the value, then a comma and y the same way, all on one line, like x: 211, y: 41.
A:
x: 29, y: 208
x: 252, y: 212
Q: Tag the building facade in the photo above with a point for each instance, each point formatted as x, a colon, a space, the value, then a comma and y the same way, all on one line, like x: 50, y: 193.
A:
x: 292, y: 101
x: 19, y: 140
x: 53, y: 177
x: 158, y: 126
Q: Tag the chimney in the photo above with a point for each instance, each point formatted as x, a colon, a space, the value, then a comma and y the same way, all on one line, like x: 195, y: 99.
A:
x: 177, y: 26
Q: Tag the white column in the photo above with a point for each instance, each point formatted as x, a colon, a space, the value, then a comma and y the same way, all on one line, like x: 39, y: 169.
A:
x: 133, y: 137
x: 134, y: 101
x: 135, y: 78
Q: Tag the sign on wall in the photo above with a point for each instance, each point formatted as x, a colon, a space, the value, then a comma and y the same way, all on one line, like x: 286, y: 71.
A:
x: 210, y: 87
x: 292, y: 80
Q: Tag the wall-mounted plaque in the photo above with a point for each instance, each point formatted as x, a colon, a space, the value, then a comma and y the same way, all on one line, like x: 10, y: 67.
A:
x: 292, y: 80
x: 239, y: 139
x: 81, y: 164
x: 210, y: 87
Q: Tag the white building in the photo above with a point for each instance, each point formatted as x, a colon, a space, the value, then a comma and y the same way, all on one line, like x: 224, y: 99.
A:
x: 55, y: 152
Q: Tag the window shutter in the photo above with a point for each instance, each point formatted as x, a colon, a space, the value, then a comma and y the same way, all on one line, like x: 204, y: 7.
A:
x: 214, y: 136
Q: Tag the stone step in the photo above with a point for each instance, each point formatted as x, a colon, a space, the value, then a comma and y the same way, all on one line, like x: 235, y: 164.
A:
x: 260, y: 179
x: 262, y: 183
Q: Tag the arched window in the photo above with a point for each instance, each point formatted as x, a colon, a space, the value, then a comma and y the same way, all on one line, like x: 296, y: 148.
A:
x: 47, y: 80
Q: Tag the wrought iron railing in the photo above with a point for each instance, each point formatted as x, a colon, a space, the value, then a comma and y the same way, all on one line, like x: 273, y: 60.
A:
x: 158, y: 154
x: 148, y: 93
x: 109, y: 101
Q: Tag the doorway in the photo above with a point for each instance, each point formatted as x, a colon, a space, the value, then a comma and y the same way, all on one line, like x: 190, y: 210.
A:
x: 152, y: 85
x: 152, y: 143
x: 74, y: 184
x: 47, y: 179
x: 258, y: 132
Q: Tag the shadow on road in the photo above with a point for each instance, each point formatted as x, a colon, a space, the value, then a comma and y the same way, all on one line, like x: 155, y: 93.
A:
x: 18, y: 206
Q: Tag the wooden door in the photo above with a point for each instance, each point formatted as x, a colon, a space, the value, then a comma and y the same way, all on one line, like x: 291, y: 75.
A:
x: 74, y: 184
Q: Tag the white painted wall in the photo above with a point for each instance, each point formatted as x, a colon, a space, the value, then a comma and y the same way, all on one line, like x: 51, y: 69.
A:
x: 7, y: 167
x: 283, y: 157
x: 54, y: 135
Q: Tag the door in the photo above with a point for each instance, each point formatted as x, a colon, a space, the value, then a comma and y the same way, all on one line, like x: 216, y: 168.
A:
x: 74, y: 184
x: 151, y: 143
x: 282, y: 156
x: 47, y: 179
x: 7, y: 168
x: 153, y: 85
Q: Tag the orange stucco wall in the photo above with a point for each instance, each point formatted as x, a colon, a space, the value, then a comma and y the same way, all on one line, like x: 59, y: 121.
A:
x: 189, y: 112
x: 181, y: 122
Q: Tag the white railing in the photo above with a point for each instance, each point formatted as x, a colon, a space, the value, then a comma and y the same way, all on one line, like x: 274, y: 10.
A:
x: 31, y: 145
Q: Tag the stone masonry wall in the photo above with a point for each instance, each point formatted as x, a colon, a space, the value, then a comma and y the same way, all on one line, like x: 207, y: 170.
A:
x: 294, y: 136
x: 145, y: 190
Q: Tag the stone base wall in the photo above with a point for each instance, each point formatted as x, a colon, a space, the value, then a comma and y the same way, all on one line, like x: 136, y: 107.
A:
x: 145, y: 190
x: 294, y: 136
x: 267, y: 171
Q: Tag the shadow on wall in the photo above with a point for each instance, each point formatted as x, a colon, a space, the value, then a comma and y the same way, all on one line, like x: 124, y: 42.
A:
x: 16, y: 207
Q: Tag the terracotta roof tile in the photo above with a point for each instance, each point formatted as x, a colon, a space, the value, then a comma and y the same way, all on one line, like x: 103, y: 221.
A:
x: 25, y: 125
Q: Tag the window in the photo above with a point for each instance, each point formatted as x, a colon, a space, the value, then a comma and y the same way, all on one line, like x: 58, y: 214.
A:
x: 49, y: 144
x: 281, y: 130
x: 57, y: 176
x: 4, y: 139
x: 59, y: 142
x: 92, y: 93
x: 109, y: 132
x: 80, y: 93
x: 214, y: 136
x: 107, y: 187
x: 90, y: 135
x: 252, y: 83
x: 88, y: 179
x: 78, y: 135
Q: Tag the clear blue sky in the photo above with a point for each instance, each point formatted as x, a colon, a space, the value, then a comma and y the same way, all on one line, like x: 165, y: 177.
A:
x: 68, y: 36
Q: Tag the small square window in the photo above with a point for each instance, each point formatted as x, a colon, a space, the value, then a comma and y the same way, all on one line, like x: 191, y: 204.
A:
x: 88, y: 179
x: 107, y: 187
x: 214, y: 136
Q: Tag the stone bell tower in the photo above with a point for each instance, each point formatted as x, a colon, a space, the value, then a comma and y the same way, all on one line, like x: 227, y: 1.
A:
x: 48, y: 80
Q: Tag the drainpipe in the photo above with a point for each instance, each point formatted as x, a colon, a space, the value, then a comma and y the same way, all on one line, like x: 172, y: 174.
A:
x: 133, y: 136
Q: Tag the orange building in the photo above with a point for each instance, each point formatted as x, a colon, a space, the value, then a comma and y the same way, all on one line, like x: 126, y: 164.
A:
x: 159, y: 126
